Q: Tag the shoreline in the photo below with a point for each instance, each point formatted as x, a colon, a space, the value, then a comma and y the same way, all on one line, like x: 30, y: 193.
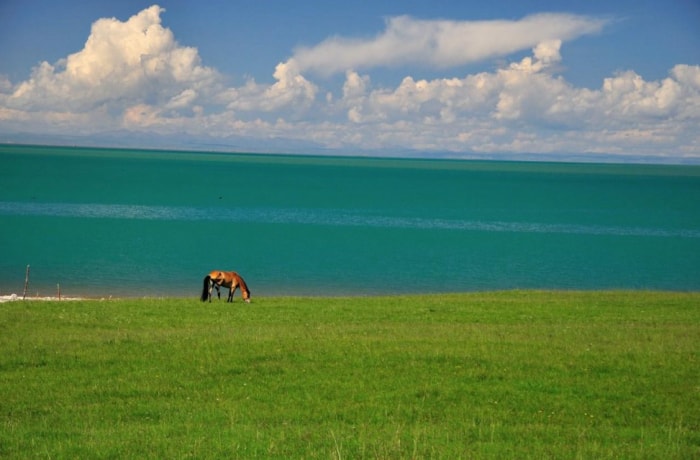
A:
x: 18, y: 298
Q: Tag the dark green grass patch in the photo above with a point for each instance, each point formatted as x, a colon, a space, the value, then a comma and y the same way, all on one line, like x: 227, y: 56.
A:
x: 517, y: 374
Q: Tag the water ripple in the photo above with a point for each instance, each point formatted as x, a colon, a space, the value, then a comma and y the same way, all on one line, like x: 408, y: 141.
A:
x: 320, y: 217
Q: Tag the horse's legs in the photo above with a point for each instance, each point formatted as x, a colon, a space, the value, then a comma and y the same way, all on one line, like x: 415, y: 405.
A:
x: 218, y: 291
x: 211, y: 284
x: 231, y: 290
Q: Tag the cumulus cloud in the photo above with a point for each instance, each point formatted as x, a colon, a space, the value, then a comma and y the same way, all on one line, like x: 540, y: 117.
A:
x: 291, y: 89
x: 525, y: 107
x: 122, y: 62
x: 441, y: 43
x: 506, y: 93
x: 134, y: 75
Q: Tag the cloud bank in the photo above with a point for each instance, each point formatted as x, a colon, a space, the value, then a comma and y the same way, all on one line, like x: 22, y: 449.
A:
x: 134, y: 76
x: 441, y: 44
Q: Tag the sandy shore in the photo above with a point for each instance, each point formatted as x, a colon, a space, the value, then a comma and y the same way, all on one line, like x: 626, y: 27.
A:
x: 15, y: 297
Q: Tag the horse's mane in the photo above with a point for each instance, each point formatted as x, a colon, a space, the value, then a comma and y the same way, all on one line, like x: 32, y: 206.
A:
x: 242, y: 283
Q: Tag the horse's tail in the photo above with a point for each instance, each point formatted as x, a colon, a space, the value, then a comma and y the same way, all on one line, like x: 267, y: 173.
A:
x: 205, y: 290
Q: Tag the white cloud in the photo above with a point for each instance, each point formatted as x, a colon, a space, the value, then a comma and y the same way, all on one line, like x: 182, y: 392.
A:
x: 121, y: 62
x: 524, y: 107
x: 441, y: 43
x: 503, y: 94
x: 291, y: 89
x: 134, y: 75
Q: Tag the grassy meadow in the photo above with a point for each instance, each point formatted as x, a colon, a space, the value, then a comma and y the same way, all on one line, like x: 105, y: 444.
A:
x: 515, y: 374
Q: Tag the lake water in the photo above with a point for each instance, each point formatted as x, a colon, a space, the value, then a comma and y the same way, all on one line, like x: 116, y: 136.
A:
x: 101, y: 222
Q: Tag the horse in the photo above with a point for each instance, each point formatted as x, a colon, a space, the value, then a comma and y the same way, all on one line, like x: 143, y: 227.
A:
x: 231, y: 280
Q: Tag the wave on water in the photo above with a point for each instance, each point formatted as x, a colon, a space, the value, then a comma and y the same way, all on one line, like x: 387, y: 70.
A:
x: 319, y: 217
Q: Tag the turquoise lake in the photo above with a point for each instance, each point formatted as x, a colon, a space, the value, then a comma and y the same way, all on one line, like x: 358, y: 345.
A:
x: 101, y: 222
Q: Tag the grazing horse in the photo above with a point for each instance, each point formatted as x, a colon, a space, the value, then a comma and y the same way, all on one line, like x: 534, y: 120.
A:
x: 231, y: 280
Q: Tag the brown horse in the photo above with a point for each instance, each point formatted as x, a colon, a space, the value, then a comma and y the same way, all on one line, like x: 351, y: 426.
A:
x: 231, y: 280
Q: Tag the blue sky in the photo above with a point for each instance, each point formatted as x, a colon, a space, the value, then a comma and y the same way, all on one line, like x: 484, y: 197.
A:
x: 504, y: 79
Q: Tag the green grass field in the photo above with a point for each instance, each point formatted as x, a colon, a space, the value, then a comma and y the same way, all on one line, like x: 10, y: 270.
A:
x: 516, y: 374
